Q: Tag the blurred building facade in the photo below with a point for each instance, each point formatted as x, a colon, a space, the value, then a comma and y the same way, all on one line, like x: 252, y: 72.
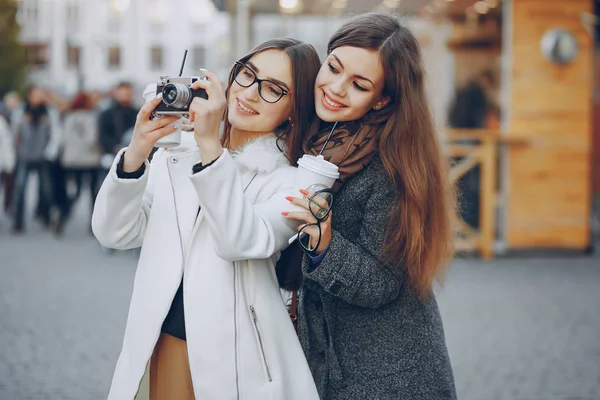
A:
x: 94, y: 44
x: 88, y: 44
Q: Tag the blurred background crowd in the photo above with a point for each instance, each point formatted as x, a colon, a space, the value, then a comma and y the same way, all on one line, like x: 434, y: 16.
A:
x: 514, y: 86
x: 68, y: 144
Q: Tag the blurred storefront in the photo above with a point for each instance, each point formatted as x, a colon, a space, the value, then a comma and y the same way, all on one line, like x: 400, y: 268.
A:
x: 549, y: 104
x: 539, y: 172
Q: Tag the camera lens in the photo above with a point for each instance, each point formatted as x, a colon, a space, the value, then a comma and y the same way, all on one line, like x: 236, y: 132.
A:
x: 176, y: 95
x: 170, y: 95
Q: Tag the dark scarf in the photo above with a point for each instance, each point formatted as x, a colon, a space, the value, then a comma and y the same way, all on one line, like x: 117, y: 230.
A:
x: 351, y: 147
x: 36, y: 113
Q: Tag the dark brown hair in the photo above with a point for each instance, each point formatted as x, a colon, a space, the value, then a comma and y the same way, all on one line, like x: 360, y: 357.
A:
x: 305, y: 66
x: 418, y: 234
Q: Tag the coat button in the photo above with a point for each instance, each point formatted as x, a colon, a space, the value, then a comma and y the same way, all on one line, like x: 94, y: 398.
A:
x: 335, y: 288
x: 174, y: 160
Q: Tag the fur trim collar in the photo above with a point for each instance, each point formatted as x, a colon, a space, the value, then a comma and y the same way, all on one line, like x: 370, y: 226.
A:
x: 261, y: 154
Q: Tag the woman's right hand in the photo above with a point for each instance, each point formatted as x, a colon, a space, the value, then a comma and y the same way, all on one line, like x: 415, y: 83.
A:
x: 145, y: 134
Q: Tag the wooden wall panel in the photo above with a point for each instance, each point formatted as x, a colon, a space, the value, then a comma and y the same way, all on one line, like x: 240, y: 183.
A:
x: 548, y: 201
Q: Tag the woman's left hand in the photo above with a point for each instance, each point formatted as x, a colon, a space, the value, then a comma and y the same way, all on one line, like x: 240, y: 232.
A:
x: 207, y: 114
x: 308, y: 218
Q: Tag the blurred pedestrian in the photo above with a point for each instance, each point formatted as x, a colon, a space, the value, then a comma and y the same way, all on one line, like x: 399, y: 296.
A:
x: 115, y: 121
x: 11, y: 102
x: 81, y: 150
x: 7, y: 151
x: 473, y: 108
x: 472, y: 104
x: 37, y: 132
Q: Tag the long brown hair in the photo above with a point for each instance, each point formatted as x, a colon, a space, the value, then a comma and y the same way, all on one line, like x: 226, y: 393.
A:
x: 418, y: 234
x: 305, y: 66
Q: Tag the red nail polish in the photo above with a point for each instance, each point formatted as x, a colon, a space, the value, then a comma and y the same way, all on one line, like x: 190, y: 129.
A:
x: 285, y: 213
x: 289, y: 198
x: 304, y: 192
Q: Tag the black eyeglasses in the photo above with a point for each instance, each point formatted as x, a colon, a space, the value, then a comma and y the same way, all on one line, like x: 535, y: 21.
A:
x: 269, y: 91
x: 320, y: 203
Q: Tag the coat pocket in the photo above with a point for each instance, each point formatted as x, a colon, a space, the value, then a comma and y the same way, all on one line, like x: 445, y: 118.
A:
x: 259, y: 339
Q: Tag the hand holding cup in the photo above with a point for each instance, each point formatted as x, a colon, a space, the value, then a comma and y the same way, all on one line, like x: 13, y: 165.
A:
x: 315, y: 217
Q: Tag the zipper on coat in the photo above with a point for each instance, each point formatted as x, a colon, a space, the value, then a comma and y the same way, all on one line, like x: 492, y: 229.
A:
x: 235, y: 329
x: 260, y: 343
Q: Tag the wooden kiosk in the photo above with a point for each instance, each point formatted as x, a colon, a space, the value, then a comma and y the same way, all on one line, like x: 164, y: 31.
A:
x: 544, y: 194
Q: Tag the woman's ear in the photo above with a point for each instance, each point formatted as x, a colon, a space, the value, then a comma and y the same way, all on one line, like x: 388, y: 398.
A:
x: 381, y: 103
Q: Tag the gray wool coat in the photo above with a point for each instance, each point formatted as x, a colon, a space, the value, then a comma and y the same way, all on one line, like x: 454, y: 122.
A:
x: 366, y: 335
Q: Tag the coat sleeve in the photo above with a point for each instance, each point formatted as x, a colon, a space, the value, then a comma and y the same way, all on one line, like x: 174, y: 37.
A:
x: 352, y: 270
x: 123, y: 206
x: 7, y: 149
x: 55, y: 143
x: 16, y: 117
x: 242, y: 230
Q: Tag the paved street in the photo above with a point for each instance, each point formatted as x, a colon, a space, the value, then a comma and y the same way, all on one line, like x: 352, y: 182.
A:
x: 517, y: 329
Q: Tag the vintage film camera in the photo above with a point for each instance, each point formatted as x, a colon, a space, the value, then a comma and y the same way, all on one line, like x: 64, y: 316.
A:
x: 177, y: 95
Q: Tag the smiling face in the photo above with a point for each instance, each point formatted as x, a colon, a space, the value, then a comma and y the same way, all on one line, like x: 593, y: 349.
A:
x: 248, y: 112
x: 349, y: 84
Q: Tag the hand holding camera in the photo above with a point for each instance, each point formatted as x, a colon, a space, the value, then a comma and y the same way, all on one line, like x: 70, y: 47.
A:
x: 206, y: 114
x: 146, y: 133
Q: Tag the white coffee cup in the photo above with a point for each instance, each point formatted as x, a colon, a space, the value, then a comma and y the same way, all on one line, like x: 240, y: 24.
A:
x: 315, y: 170
x: 172, y: 139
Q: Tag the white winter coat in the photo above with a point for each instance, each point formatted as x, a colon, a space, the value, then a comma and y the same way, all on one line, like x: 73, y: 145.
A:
x: 81, y: 146
x: 241, y: 343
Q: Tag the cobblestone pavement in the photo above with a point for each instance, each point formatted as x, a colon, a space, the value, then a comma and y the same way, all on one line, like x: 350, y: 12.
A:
x: 517, y: 328
x: 524, y: 329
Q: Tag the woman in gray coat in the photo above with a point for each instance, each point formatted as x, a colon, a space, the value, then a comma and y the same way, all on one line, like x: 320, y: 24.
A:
x: 368, y: 319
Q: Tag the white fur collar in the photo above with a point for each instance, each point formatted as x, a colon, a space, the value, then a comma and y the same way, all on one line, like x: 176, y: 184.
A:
x: 261, y: 154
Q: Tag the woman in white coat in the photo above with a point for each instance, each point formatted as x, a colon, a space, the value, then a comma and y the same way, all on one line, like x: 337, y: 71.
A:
x: 207, y: 215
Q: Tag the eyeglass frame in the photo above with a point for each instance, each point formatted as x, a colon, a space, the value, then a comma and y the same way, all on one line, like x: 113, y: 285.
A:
x: 239, y: 65
x: 318, y: 223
